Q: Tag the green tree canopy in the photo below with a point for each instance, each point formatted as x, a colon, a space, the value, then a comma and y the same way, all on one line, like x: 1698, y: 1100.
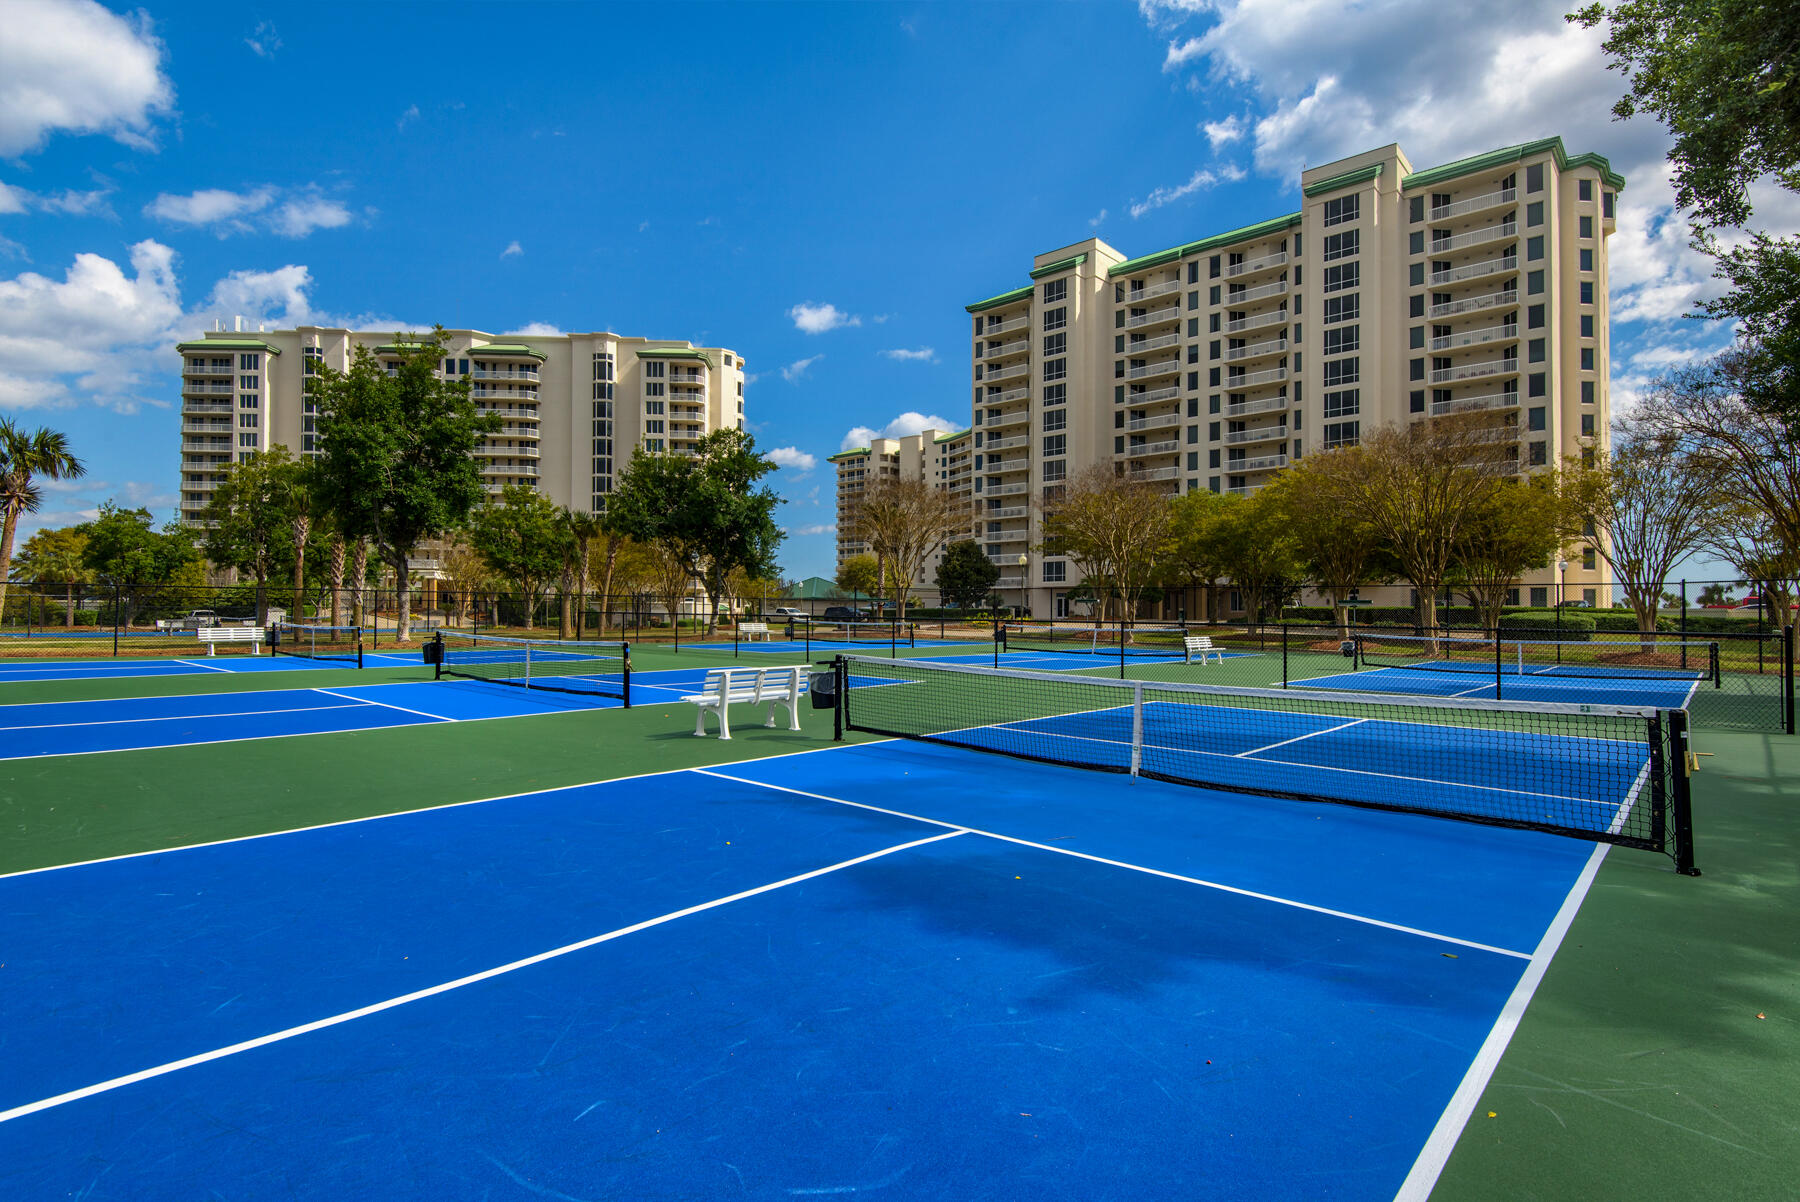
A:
x: 397, y: 463
x: 26, y: 458
x: 965, y: 575
x: 55, y: 557
x: 523, y: 538
x: 250, y: 519
x: 859, y: 574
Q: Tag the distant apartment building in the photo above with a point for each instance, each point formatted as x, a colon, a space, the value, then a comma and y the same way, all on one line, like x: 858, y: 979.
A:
x: 945, y: 460
x: 1392, y: 294
x: 574, y: 406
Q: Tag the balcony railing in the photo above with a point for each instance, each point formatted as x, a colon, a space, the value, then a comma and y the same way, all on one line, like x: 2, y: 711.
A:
x: 693, y: 376
x: 1474, y: 304
x: 1001, y: 515
x: 1007, y: 326
x: 1007, y: 373
x: 1018, y: 417
x: 195, y: 369
x: 494, y: 469
x: 1243, y: 324
x: 195, y: 389
x: 1487, y: 233
x: 505, y: 373
x: 488, y: 448
x: 1233, y: 270
x: 502, y: 394
x: 1266, y: 434
x: 1475, y: 204
x: 1261, y: 463
x: 1475, y: 371
x: 1007, y: 397
x: 206, y: 407
x: 1481, y: 337
x: 1273, y: 375
x: 1471, y: 404
x: 1250, y: 295
x: 1247, y: 408
x: 1153, y: 291
x: 1154, y: 473
x: 1244, y: 490
x: 1274, y: 346
x: 1010, y: 582
x: 1008, y: 490
x: 1475, y: 271
x: 1153, y: 396
x: 1147, y: 449
x: 523, y: 415
x: 1146, y: 345
x: 1018, y: 346
x: 1172, y: 313
x: 1154, y: 423
x: 1007, y: 444
x: 1167, y: 367
x: 207, y: 427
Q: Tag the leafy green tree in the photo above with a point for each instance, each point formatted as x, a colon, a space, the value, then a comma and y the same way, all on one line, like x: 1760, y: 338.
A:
x: 965, y: 574
x: 397, y: 464
x: 704, y: 509
x: 1192, y: 557
x: 578, y: 558
x: 1715, y: 595
x: 24, y: 460
x: 1114, y: 527
x: 127, y: 553
x: 524, y: 539
x: 1258, y: 552
x: 54, y: 557
x: 250, y: 519
x: 859, y: 574
x: 1518, y: 528
x: 1339, y: 549
x: 903, y: 521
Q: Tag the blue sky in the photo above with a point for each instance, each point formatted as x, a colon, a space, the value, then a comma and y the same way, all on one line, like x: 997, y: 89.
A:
x: 716, y: 172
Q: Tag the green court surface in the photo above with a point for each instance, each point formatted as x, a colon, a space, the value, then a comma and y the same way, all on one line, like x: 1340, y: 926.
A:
x: 1655, y: 1060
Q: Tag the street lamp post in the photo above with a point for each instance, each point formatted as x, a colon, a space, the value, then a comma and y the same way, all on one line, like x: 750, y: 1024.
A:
x: 1024, y: 596
x: 1562, y: 580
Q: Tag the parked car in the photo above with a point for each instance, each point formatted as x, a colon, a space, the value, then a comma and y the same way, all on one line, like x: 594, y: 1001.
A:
x: 197, y: 618
x: 1576, y: 605
x: 845, y: 613
x: 788, y: 614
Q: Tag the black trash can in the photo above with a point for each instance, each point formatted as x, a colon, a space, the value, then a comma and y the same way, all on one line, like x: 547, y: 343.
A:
x: 823, y: 687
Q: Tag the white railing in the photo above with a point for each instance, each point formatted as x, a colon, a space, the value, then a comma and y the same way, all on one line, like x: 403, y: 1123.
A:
x: 1007, y: 373
x: 1495, y: 434
x: 1474, y: 304
x: 1154, y: 473
x: 1469, y: 404
x: 1007, y: 397
x: 207, y: 389
x: 499, y: 452
x: 1233, y: 270
x: 1246, y: 408
x: 206, y: 447
x: 206, y: 427
x: 1278, y: 318
x: 1147, y: 449
x: 1154, y: 396
x: 1154, y: 423
x: 1487, y: 233
x: 1019, y: 418
x: 1475, y: 204
x: 1248, y: 295
x: 1273, y: 375
x: 1172, y: 313
x: 1010, y: 582
x: 1476, y: 337
x: 1144, y: 345
x: 1008, y: 490
x: 206, y: 407
x: 1164, y: 368
x: 502, y: 394
x: 1263, y: 435
x: 1272, y: 347
x: 1007, y: 327
x: 1244, y: 490
x: 1019, y: 346
x: 1261, y: 463
x: 694, y: 376
x: 1001, y: 515
x: 1007, y: 444
x: 524, y: 415
x: 1475, y: 371
x: 1154, y: 291
x: 493, y: 469
x: 196, y: 369
x: 505, y: 373
x: 1474, y: 271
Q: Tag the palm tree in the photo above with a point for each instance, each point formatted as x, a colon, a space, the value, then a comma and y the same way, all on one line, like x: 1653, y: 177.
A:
x: 23, y: 459
x: 54, y: 557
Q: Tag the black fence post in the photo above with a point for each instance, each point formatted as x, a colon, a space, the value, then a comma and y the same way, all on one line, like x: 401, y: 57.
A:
x: 116, y: 611
x: 1284, y: 655
x: 1499, y: 660
x: 1787, y: 673
x: 1121, y: 648
x: 842, y: 682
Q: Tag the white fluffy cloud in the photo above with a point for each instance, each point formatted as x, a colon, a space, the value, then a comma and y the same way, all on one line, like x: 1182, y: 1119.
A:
x: 291, y: 213
x: 74, y: 65
x: 512, y: 249
x: 537, y: 329
x: 793, y: 371
x: 924, y: 354
x: 264, y: 40
x: 909, y: 423
x: 793, y: 457
x: 817, y: 528
x: 67, y: 202
x: 1201, y: 179
x: 817, y: 319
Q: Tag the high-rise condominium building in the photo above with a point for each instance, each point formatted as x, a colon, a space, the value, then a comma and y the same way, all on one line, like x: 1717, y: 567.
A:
x: 575, y: 406
x: 944, y: 460
x: 1479, y: 286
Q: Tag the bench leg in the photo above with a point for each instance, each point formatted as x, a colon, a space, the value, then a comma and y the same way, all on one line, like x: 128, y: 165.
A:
x: 699, y: 721
x: 725, y: 720
x: 210, y: 648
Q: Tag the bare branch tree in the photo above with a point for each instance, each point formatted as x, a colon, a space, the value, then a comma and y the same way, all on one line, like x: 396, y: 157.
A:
x: 904, y: 521
x: 1741, y: 534
x: 1116, y: 529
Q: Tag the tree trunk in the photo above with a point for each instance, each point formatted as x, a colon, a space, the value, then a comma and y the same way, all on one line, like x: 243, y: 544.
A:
x: 565, y: 623
x: 584, y: 554
x: 337, y: 580
x: 614, y: 543
x: 9, y: 526
x: 69, y: 605
x: 262, y: 599
x: 302, y: 527
x: 359, y: 572
x: 402, y: 585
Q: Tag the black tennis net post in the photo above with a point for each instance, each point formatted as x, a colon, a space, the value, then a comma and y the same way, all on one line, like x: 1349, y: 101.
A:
x: 841, y: 678
x: 1500, y: 660
x: 437, y: 658
x: 1681, y: 800
x: 1787, y: 672
x: 625, y: 675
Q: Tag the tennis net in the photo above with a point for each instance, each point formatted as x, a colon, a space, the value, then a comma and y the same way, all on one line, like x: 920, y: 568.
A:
x: 882, y: 634
x: 1611, y: 659
x: 1614, y: 774
x: 1088, y: 639
x: 340, y: 644
x: 596, y: 669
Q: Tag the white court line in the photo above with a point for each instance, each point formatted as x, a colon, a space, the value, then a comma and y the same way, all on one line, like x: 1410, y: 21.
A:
x: 398, y: 814
x: 384, y: 704
x: 963, y: 828
x: 209, y: 667
x: 1297, y: 738
x: 298, y: 709
x: 1436, y: 1153
x: 89, y: 1091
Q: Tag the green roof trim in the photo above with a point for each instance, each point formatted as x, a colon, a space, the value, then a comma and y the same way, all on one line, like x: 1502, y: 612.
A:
x: 674, y: 352
x: 510, y: 350
x: 1038, y: 273
x: 227, y: 344
x: 1261, y: 229
x: 398, y: 348
x: 1348, y: 179
x: 951, y: 437
x: 853, y: 451
x: 1005, y: 298
x: 1513, y: 154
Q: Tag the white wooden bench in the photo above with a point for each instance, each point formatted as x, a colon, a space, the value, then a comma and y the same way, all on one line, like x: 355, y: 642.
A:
x: 754, y: 631
x: 1202, y: 646
x: 211, y: 635
x: 779, y: 687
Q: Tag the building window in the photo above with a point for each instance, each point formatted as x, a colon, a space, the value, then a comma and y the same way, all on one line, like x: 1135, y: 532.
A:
x: 1344, y: 275
x: 1587, y: 358
x: 1056, y: 290
x: 1340, y: 246
x: 1056, y: 319
x: 1586, y: 259
x: 246, y: 402
x: 1342, y: 209
x: 1055, y: 571
x: 1539, y: 454
x: 1345, y: 403
x: 1587, y: 558
x: 1056, y: 444
x: 656, y: 369
x: 247, y: 421
x: 246, y: 440
x: 1585, y: 226
x: 1054, y: 394
x: 1587, y: 292
x: 1534, y: 248
x: 1055, y: 419
x: 1587, y: 425
x: 654, y: 407
x: 1056, y: 469
x: 1584, y: 189
x: 1534, y: 213
x: 1056, y: 369
x: 1587, y: 325
x: 1056, y: 344
x: 1341, y: 340
x: 1587, y: 392
x: 1341, y: 308
x: 249, y: 362
x: 1341, y: 434
x: 1340, y: 371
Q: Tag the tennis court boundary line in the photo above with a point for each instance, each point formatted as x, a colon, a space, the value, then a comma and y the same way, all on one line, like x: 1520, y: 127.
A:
x: 1445, y: 1135
x: 430, y: 809
x: 1173, y: 876
x: 88, y: 1091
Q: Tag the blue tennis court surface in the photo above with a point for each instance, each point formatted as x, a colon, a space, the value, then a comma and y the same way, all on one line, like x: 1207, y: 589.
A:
x: 196, y: 665
x: 892, y: 969
x: 1597, y: 686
